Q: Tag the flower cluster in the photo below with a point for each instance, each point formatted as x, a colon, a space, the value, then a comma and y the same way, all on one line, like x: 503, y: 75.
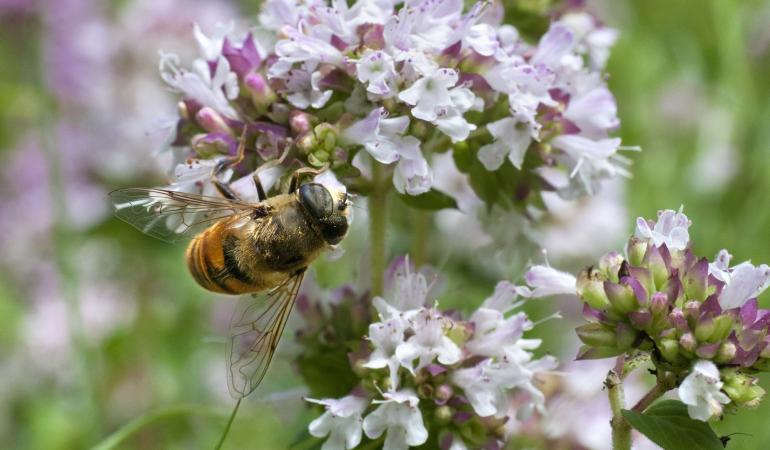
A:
x: 698, y: 319
x: 420, y: 368
x: 339, y: 85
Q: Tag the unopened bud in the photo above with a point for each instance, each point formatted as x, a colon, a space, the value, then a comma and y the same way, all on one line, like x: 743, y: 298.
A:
x: 444, y: 392
x: 704, y: 328
x: 696, y: 279
x: 261, y: 94
x: 300, y: 122
x: 306, y: 143
x: 621, y: 297
x: 596, y: 335
x: 692, y: 313
x: 609, y: 266
x: 659, y: 304
x: 636, y: 249
x: 688, y: 342
x: 677, y: 318
x: 591, y: 290
x: 444, y: 414
x: 726, y: 353
x: 723, y: 325
x: 182, y: 111
x: 669, y: 348
x: 212, y: 121
x: 656, y: 264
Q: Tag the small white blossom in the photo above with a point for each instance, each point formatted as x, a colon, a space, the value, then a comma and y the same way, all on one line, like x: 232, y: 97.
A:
x: 511, y: 139
x: 700, y: 391
x: 214, y: 91
x: 430, y: 92
x: 488, y: 385
x: 399, y: 417
x: 376, y: 68
x: 670, y: 229
x: 429, y: 342
x: 408, y: 292
x: 386, y: 337
x: 745, y: 281
x: 341, y: 422
x: 547, y: 281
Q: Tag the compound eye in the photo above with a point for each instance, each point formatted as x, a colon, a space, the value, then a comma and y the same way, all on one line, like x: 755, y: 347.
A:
x: 317, y: 200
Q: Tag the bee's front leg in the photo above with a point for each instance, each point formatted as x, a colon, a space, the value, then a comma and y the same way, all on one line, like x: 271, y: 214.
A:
x: 224, y: 190
x: 299, y: 172
x: 260, y: 190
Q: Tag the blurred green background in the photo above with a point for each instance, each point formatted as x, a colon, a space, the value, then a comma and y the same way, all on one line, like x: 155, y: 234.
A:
x: 101, y: 326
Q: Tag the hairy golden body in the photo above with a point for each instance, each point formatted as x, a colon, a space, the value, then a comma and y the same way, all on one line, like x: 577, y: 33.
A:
x: 256, y: 252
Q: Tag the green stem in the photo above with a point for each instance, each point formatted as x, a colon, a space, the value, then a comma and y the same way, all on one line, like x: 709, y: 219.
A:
x: 137, y: 424
x: 377, y: 220
x: 666, y: 381
x: 421, y: 232
x: 229, y: 423
x: 621, y: 429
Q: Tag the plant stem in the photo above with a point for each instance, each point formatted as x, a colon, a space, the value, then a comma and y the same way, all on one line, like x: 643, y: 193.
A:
x: 666, y: 382
x: 377, y: 216
x: 137, y: 424
x: 229, y: 423
x: 420, y: 242
x: 621, y: 429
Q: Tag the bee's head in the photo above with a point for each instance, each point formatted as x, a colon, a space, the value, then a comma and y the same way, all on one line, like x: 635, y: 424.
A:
x: 328, y: 207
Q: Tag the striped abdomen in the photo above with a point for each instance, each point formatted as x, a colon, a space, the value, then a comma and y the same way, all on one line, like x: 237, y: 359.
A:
x: 212, y: 263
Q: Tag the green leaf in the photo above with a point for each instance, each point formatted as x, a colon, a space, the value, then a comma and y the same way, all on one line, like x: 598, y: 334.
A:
x: 667, y: 424
x: 432, y: 200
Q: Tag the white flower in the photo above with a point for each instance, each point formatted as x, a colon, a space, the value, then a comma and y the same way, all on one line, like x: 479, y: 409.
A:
x: 428, y: 342
x: 700, y: 391
x: 721, y: 265
x: 548, y: 281
x: 584, y: 150
x: 211, y: 47
x: 488, y: 385
x: 304, y: 90
x: 430, y: 92
x: 413, y: 176
x: 377, y: 70
x: 341, y: 422
x: 670, y: 229
x: 594, y: 112
x: 382, y: 138
x: 386, y: 337
x: 512, y: 139
x: 496, y: 336
x: 214, y: 91
x: 408, y: 292
x: 399, y: 416
x: 745, y: 281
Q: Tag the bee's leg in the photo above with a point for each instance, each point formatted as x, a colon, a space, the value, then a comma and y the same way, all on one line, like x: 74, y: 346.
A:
x: 299, y: 172
x: 225, y: 190
x: 236, y: 159
x: 260, y: 190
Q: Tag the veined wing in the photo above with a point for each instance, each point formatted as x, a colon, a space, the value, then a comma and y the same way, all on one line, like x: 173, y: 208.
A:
x: 170, y: 215
x: 255, y: 330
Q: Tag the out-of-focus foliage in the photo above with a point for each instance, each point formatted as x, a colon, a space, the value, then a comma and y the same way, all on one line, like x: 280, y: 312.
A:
x: 100, y: 325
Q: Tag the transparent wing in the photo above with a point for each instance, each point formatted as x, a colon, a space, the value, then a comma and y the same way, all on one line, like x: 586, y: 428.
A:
x: 255, y: 329
x: 170, y: 215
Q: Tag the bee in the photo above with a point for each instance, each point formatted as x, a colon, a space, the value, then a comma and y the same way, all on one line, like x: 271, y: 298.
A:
x: 241, y: 247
